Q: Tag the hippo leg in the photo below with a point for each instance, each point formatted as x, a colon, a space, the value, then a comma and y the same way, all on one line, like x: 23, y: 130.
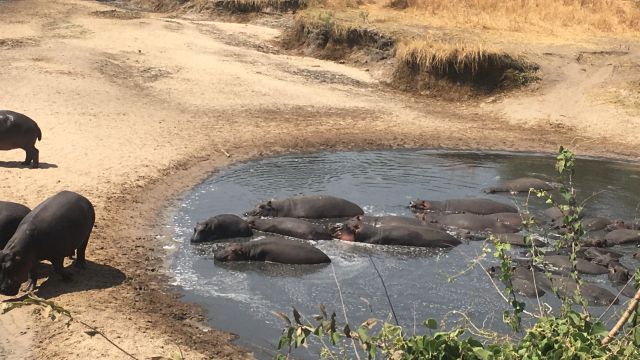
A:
x: 80, y: 261
x: 35, y: 158
x: 33, y: 278
x: 58, y: 267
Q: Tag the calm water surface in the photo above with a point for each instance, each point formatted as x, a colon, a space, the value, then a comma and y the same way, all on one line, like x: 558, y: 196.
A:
x: 240, y: 297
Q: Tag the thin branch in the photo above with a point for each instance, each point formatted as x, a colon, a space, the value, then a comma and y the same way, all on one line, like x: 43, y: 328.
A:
x: 386, y: 293
x: 623, y: 320
x: 344, y: 309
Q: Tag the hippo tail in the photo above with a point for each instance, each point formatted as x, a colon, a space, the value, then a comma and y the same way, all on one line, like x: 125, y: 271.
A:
x: 39, y: 132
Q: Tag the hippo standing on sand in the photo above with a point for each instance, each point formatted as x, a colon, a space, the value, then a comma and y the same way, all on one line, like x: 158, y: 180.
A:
x: 18, y: 131
x: 219, y: 227
x: 418, y: 236
x: 273, y: 250
x: 293, y: 227
x: 474, y: 206
x: 519, y: 185
x: 10, y: 216
x: 55, y: 229
x: 310, y: 207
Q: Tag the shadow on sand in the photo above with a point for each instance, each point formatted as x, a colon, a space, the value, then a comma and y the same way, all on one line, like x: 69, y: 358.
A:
x: 19, y: 165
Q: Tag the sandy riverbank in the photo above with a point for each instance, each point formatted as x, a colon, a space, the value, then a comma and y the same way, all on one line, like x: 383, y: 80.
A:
x: 136, y: 110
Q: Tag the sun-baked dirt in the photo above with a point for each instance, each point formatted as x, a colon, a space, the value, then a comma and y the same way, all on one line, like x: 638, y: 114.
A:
x: 137, y: 109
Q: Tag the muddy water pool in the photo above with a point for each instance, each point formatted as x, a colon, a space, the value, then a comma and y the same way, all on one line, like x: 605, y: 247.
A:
x: 240, y: 297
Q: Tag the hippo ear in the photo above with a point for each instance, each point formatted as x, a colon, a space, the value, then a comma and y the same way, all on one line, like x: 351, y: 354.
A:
x: 269, y: 203
x: 359, y: 217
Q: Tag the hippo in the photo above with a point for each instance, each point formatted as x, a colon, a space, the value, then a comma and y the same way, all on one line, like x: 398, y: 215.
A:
x: 619, y: 275
x: 272, y: 249
x: 524, y: 283
x: 599, y: 256
x: 519, y: 185
x: 471, y: 222
x: 293, y: 227
x: 309, y: 207
x: 220, y: 227
x: 418, y: 236
x: 556, y: 217
x: 595, y: 295
x: 582, y: 265
x: 55, y: 229
x: 517, y: 240
x: 474, y: 206
x: 622, y: 236
x: 10, y: 216
x: 391, y: 220
x: 17, y: 131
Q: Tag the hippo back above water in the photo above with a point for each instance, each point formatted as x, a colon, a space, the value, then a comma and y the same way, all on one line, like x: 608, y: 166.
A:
x: 309, y: 207
x: 18, y: 131
x: 474, y: 206
x: 11, y: 214
x: 293, y: 227
x: 276, y: 250
x: 519, y: 185
x: 55, y: 229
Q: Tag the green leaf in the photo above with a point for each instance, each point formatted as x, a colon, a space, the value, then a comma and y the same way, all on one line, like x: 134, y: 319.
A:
x: 431, y: 324
x: 296, y: 316
x: 335, y: 338
x: 482, y: 354
x: 284, y: 341
x: 363, y: 334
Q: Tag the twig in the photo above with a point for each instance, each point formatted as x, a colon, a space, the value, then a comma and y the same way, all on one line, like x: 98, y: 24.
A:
x: 386, y: 293
x: 623, y: 320
x: 106, y: 338
x: 225, y: 153
x: 616, y: 298
x: 344, y: 309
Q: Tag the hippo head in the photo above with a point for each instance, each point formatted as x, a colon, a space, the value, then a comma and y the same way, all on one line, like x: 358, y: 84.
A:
x: 420, y: 205
x: 204, y: 231
x: 616, y: 224
x: 14, y: 270
x: 234, y: 252
x: 265, y: 209
x: 251, y: 220
x: 346, y: 232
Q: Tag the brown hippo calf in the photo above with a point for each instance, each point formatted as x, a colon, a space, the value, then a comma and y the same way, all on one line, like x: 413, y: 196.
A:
x: 10, y: 216
x: 622, y: 236
x: 18, y: 131
x: 309, y: 207
x: 474, y: 206
x: 55, y: 229
x: 273, y: 250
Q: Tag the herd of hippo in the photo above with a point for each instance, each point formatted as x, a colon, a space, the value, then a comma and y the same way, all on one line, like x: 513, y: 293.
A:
x: 57, y: 228
x: 437, y: 224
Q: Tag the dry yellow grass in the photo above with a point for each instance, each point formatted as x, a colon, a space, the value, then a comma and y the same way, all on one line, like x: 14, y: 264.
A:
x: 552, y: 17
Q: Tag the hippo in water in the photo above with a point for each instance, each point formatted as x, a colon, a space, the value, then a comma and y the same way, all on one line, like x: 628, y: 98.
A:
x: 517, y: 240
x: 310, y: 207
x: 10, y: 216
x: 276, y: 250
x: 55, y: 229
x: 418, y: 236
x: 471, y: 222
x: 595, y: 295
x: 293, y: 227
x: 18, y: 131
x: 219, y: 227
x: 474, y: 206
x: 622, y: 236
x: 583, y: 266
x: 390, y: 220
x: 519, y: 185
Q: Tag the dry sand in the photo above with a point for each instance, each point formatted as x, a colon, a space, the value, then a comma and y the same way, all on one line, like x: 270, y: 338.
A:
x: 137, y: 108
